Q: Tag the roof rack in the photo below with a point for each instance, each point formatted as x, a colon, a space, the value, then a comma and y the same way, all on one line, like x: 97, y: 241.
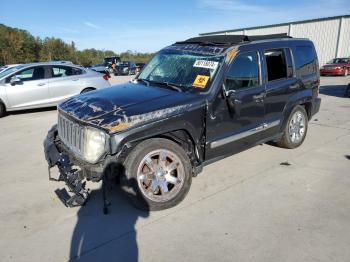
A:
x: 227, y: 40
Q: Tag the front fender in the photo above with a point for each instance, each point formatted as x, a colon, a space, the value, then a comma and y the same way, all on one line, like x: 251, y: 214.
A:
x: 189, y: 121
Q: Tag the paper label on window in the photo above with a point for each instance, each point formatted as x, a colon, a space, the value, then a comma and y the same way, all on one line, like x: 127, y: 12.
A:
x: 200, y: 81
x: 206, y: 64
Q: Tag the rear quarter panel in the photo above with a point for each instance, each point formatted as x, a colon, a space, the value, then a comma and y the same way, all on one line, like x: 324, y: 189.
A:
x: 94, y: 80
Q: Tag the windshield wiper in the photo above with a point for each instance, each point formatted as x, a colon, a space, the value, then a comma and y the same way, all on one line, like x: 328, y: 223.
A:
x: 168, y: 84
x: 143, y: 80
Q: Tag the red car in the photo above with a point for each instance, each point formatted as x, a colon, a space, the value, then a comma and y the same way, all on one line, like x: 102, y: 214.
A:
x: 337, y: 66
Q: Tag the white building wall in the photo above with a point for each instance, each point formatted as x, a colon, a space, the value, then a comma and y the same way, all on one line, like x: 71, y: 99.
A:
x: 344, y: 45
x: 324, y: 34
x: 239, y: 32
x: 268, y: 30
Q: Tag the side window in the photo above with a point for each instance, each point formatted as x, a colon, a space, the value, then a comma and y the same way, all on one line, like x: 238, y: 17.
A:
x: 77, y: 71
x: 276, y: 64
x: 305, y: 59
x: 34, y: 73
x: 243, y: 72
x: 63, y: 71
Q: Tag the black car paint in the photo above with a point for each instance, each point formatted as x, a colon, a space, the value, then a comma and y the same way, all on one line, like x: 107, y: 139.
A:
x: 206, y: 117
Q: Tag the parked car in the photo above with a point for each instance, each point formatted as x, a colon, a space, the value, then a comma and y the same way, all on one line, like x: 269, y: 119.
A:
x: 111, y: 59
x: 337, y: 66
x: 139, y: 67
x: 195, y: 102
x: 45, y: 84
x: 101, y: 68
x: 126, y: 68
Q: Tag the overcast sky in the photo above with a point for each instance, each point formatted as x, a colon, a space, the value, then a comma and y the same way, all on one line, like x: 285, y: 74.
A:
x: 147, y: 26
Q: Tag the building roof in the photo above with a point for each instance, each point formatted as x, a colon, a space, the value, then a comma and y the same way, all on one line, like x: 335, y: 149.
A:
x: 280, y: 24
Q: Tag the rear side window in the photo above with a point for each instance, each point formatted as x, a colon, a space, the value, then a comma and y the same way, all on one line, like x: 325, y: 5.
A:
x: 244, y: 72
x: 276, y: 64
x: 63, y: 71
x: 305, y: 59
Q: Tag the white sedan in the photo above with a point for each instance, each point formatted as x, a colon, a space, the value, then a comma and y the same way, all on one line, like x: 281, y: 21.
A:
x: 45, y: 84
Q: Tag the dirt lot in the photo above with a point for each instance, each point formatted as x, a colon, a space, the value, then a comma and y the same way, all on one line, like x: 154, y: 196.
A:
x: 247, y: 207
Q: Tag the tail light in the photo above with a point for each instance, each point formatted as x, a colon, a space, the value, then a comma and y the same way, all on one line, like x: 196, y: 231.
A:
x: 105, y: 77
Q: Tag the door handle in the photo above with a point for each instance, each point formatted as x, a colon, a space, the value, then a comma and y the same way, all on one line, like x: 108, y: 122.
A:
x: 259, y: 97
x: 294, y: 86
x: 75, y: 79
x: 41, y: 84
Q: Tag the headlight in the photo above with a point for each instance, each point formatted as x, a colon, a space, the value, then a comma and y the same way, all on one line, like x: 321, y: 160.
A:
x: 95, y: 145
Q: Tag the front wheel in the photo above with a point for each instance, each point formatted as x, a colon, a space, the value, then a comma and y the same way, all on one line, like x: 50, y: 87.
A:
x: 2, y: 110
x: 157, y: 174
x: 295, y: 130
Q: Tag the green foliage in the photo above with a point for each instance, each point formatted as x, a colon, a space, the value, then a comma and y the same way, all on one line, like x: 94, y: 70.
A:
x: 135, y: 56
x: 19, y: 46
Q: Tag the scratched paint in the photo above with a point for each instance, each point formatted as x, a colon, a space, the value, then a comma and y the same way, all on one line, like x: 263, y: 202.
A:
x: 130, y: 121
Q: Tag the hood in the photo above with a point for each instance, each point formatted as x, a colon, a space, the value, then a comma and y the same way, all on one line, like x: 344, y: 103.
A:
x: 127, y: 104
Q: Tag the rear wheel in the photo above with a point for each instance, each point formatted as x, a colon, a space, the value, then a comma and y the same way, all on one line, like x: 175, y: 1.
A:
x: 2, y: 110
x: 296, y: 129
x: 87, y: 90
x: 157, y: 174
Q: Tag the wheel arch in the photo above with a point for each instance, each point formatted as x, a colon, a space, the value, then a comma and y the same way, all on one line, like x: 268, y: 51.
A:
x: 3, y: 102
x: 181, y: 137
x: 87, y: 88
x: 303, y: 98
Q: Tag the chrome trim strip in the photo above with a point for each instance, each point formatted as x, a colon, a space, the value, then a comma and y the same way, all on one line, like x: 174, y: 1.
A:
x: 244, y: 134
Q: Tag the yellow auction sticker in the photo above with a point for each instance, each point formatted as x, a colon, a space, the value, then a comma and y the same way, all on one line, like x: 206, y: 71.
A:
x: 200, y: 81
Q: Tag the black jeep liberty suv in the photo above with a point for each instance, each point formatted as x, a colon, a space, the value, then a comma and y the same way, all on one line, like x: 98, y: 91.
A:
x: 196, y: 102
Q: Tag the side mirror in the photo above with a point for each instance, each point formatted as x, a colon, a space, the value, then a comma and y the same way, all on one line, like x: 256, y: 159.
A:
x: 229, y: 93
x: 231, y: 97
x: 15, y: 80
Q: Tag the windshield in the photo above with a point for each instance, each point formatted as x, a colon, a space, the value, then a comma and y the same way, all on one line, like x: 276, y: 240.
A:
x: 181, y: 69
x: 9, y: 71
x: 339, y: 61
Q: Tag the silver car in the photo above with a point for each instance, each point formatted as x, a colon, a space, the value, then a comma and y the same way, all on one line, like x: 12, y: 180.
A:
x: 45, y: 84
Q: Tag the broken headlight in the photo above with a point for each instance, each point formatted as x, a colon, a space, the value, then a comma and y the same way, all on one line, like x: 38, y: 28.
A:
x: 95, y: 144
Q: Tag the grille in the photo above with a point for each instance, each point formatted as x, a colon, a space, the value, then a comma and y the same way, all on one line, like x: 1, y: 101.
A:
x: 71, y: 134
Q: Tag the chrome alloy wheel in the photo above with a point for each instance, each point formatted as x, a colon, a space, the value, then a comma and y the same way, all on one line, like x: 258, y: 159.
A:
x: 297, y: 127
x: 160, y: 175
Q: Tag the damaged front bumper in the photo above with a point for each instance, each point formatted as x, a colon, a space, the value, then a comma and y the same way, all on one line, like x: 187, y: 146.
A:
x: 71, y: 171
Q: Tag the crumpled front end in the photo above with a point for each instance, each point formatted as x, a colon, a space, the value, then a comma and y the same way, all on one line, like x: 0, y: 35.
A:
x: 72, y: 171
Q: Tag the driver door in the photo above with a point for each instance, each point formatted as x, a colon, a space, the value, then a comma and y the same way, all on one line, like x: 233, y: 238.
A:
x: 30, y: 91
x: 235, y: 119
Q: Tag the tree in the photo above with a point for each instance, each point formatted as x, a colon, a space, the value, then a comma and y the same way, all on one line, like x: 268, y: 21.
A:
x: 19, y: 46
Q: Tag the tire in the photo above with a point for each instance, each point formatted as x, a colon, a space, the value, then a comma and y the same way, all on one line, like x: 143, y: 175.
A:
x: 347, y: 91
x: 290, y: 140
x: 149, y: 190
x: 89, y: 89
x: 2, y: 110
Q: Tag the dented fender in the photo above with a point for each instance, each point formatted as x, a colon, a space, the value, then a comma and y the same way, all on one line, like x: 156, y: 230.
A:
x: 190, y: 121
